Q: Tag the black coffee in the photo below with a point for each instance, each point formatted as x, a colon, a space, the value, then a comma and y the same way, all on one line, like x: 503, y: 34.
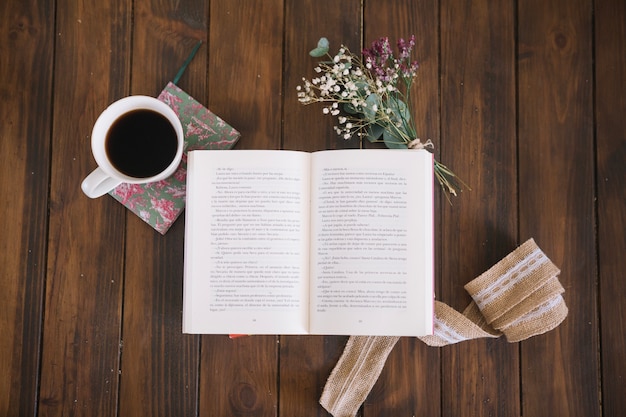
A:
x: 141, y: 143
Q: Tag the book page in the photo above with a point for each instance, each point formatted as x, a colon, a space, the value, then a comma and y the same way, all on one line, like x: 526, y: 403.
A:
x: 246, y: 237
x: 372, y: 242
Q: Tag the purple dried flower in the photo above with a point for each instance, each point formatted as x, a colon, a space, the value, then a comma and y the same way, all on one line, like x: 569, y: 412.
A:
x: 407, y: 67
x: 380, y: 61
x: 404, y: 48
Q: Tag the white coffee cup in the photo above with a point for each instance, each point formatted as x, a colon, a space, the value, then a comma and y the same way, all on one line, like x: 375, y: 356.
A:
x: 136, y: 140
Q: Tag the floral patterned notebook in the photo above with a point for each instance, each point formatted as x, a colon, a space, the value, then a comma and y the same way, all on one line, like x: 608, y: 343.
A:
x: 160, y: 203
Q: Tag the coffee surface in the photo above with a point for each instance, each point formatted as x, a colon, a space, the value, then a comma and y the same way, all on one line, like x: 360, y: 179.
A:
x: 141, y: 143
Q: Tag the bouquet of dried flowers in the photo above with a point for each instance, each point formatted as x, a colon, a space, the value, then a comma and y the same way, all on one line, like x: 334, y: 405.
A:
x: 370, y: 97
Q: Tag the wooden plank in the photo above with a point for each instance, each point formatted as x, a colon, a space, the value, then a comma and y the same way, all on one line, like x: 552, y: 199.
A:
x: 479, y: 377
x: 245, y: 86
x: 306, y: 361
x: 305, y: 364
x: 80, y: 358
x: 25, y: 128
x: 407, y: 384
x: 245, y: 70
x: 306, y: 128
x: 159, y: 363
x: 610, y: 44
x: 238, y: 376
x: 556, y: 199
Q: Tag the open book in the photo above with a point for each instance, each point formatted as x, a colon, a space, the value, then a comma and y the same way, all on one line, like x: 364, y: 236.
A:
x: 331, y: 242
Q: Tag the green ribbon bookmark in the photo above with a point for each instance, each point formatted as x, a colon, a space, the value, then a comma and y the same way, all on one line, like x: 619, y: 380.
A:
x: 186, y: 63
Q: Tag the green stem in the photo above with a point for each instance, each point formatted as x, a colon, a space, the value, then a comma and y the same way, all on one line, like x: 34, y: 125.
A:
x: 186, y: 63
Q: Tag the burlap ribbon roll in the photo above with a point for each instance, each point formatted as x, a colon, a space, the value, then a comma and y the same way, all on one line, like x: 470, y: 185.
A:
x: 519, y: 297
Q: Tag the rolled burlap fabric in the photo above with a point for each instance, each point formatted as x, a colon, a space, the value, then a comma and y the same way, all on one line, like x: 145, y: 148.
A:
x: 519, y: 297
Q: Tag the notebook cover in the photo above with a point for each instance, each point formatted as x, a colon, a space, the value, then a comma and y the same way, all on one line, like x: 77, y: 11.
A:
x: 160, y: 203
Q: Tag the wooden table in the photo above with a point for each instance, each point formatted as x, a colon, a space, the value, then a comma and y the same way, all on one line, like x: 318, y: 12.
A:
x: 524, y: 100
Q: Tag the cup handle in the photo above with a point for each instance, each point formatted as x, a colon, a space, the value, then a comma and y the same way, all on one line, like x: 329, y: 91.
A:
x: 98, y: 183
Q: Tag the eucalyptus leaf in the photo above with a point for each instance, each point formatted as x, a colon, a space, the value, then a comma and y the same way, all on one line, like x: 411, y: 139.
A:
x: 350, y: 109
x: 323, y: 43
x: 392, y: 141
x: 361, y: 87
x: 400, y: 110
x: 374, y: 131
x: 373, y: 104
x: 322, y: 48
x: 318, y: 52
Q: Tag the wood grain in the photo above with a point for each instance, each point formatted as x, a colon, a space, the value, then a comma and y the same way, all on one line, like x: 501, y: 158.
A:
x: 411, y: 361
x: 478, y: 141
x: 610, y: 42
x: 524, y: 100
x: 305, y: 128
x: 159, y: 363
x: 81, y: 345
x: 306, y: 361
x: 243, y: 371
x: 245, y: 62
x: 25, y: 89
x: 556, y: 204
